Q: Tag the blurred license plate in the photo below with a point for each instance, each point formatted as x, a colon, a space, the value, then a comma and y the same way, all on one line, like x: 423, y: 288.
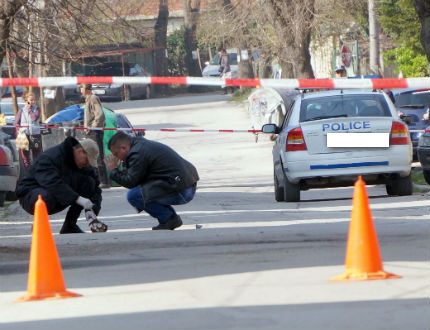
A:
x: 99, y: 91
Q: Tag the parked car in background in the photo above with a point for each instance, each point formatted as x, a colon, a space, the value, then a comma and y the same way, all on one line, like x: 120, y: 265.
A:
x: 6, y: 108
x: 415, y: 104
x: 212, y: 67
x: 305, y: 157
x: 113, y: 92
x: 423, y: 152
x: 7, y: 92
x: 9, y: 168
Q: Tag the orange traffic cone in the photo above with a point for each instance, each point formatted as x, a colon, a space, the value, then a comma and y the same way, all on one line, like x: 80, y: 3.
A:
x: 363, y: 259
x: 45, y: 277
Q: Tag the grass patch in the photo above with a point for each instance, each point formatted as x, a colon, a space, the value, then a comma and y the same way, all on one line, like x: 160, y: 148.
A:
x: 418, y: 178
x: 241, y: 95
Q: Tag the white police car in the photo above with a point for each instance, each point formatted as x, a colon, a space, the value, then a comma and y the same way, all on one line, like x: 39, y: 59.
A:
x: 329, y: 138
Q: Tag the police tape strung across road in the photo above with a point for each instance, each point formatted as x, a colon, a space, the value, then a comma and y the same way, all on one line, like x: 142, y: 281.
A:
x: 139, y: 129
x: 335, y: 127
x: 335, y: 83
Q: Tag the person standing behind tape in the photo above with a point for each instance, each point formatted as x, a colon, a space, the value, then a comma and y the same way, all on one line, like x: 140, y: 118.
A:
x: 29, y: 116
x: 95, y: 118
x: 156, y: 175
x: 224, y: 67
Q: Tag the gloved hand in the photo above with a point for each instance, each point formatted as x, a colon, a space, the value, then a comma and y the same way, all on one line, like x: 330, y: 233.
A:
x: 84, y: 202
x: 96, y: 225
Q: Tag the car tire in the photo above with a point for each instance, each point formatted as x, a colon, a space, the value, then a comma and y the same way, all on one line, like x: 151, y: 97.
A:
x: 400, y: 186
x: 291, y: 191
x: 279, y: 191
x: 2, y: 198
x: 11, y: 196
x: 147, y: 92
x: 126, y: 94
x: 426, y: 174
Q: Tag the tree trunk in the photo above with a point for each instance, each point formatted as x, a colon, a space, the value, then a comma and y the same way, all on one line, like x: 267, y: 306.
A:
x: 191, y: 18
x: 7, y: 11
x: 373, y: 39
x: 160, y: 41
x: 292, y: 22
x: 422, y: 8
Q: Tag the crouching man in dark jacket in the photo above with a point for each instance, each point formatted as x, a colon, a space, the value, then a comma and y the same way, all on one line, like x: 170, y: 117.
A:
x: 64, y: 176
x: 155, y: 174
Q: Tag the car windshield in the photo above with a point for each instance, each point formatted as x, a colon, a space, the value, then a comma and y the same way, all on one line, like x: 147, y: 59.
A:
x: 344, y: 106
x: 7, y: 108
x: 420, y: 98
x: 108, y: 69
x: 231, y: 56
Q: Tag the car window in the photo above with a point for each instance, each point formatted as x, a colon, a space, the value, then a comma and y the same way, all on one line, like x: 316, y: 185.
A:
x: 344, y: 106
x: 231, y: 56
x: 108, y: 69
x: 413, y: 98
x: 122, y: 122
x: 288, y: 114
x: 7, y: 108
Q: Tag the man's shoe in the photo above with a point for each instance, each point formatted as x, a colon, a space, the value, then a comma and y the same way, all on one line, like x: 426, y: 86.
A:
x: 171, y: 224
x: 71, y: 229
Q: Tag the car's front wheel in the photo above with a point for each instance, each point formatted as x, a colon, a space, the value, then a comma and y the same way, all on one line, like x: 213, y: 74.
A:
x: 400, y: 186
x: 426, y: 174
x: 291, y: 191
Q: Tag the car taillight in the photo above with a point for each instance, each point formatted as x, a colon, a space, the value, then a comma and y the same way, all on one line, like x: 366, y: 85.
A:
x: 4, y: 160
x: 399, y: 133
x: 295, y: 140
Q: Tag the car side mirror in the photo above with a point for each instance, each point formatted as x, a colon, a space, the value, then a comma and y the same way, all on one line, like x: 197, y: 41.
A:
x: 270, y: 128
x: 207, y: 63
x: 407, y: 119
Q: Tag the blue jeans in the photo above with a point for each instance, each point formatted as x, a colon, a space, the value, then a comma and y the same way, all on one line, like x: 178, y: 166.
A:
x: 161, y: 208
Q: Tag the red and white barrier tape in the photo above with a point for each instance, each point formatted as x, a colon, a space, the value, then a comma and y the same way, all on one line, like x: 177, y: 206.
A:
x: 159, y: 129
x: 142, y: 129
x: 335, y: 83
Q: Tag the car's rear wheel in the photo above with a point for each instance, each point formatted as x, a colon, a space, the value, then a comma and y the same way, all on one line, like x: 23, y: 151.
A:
x: 279, y: 191
x: 2, y: 197
x: 426, y: 174
x: 291, y: 191
x: 147, y: 92
x: 400, y: 186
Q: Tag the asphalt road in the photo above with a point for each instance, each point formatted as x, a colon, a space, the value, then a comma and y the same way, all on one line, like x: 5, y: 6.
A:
x: 240, y: 261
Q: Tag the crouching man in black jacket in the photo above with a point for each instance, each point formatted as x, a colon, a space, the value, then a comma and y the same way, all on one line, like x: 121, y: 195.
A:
x: 155, y: 174
x: 64, y: 175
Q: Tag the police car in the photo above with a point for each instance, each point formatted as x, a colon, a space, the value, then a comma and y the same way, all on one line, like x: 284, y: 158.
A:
x: 329, y: 138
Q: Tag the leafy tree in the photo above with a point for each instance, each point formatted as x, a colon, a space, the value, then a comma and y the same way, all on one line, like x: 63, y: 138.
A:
x: 399, y: 19
x: 176, y: 53
x: 422, y: 8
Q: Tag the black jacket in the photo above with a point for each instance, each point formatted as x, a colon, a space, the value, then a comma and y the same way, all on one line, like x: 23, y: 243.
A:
x: 157, y: 168
x: 55, y: 170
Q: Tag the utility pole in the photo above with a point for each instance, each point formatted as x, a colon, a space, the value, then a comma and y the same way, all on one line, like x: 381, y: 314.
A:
x: 373, y: 39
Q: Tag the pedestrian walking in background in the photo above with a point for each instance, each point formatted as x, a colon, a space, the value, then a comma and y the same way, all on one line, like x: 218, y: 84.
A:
x: 64, y: 176
x: 156, y: 175
x: 95, y: 118
x: 29, y: 116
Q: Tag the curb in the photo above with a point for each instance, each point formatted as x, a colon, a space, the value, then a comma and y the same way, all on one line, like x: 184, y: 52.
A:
x: 421, y: 188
